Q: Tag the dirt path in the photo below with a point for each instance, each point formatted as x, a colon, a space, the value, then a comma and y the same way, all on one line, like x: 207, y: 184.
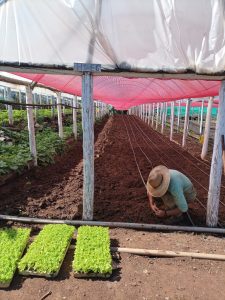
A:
x: 138, y: 278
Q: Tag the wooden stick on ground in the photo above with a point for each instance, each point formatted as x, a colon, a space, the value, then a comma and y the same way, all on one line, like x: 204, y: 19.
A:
x: 166, y: 253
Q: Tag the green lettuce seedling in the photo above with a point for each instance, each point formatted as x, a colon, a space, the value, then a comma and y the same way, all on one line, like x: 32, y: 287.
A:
x: 46, y: 253
x: 12, y: 245
x: 92, y: 253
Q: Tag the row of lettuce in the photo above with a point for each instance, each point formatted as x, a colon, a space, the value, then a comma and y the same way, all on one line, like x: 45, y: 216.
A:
x: 14, y: 141
x: 46, y: 253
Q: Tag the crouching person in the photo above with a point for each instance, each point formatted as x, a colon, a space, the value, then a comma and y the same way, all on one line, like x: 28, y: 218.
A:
x: 174, y: 188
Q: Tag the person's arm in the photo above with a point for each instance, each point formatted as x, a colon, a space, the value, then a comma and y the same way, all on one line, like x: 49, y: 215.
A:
x: 180, y: 201
x: 152, y: 203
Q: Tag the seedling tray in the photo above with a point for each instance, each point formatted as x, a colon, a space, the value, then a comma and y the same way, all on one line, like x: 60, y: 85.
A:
x: 46, y: 254
x: 52, y: 275
x: 92, y: 275
x: 5, y: 285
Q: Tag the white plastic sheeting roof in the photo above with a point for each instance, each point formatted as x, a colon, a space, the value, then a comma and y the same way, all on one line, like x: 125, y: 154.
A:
x: 133, y: 35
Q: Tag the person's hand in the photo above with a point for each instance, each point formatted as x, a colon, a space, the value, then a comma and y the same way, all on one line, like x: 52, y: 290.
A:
x: 160, y: 213
x: 154, y: 207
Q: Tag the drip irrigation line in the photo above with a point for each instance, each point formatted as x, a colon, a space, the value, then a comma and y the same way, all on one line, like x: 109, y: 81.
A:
x: 36, y: 105
x: 134, y: 154
x: 158, y: 134
x: 180, y: 153
x: 163, y: 154
x: 189, y: 217
x: 140, y: 130
x: 139, y: 145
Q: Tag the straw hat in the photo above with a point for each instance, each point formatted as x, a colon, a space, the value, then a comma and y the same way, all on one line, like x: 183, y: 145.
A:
x: 158, y: 181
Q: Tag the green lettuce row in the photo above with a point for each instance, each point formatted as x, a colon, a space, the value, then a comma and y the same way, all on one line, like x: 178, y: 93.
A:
x: 92, y: 253
x: 46, y: 253
x: 12, y: 245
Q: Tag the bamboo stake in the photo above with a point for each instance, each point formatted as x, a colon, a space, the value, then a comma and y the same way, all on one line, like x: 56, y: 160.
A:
x: 168, y: 253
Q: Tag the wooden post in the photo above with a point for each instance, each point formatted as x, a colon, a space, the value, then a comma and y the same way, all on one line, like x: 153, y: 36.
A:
x: 88, y: 136
x: 30, y: 120
x: 161, y: 112
x: 9, y: 107
x: 20, y: 99
x: 75, y: 117
x: 178, y: 117
x: 171, y: 120
x: 216, y: 164
x: 88, y: 146
x: 186, y: 122
x: 153, y: 113
x: 207, y: 129
x: 163, y: 117
x: 201, y: 118
x: 59, y: 110
x: 149, y: 113
x: 63, y: 106
x: 157, y: 117
x: 52, y: 108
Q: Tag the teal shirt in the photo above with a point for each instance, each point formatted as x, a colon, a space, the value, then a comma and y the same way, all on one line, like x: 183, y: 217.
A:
x: 179, y: 183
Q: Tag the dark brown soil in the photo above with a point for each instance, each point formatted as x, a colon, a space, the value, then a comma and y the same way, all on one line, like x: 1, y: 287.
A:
x: 137, y: 278
x: 56, y: 192
x: 120, y: 195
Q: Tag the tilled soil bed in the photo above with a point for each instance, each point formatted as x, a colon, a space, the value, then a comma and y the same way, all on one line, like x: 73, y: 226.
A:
x: 120, y: 195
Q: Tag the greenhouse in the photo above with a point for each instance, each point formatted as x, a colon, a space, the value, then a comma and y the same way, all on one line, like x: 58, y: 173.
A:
x: 112, y: 149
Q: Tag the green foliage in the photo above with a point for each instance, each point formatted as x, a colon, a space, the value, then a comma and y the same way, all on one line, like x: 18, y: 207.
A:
x: 45, y: 254
x: 21, y: 115
x: 92, y: 252
x: 12, y: 244
x: 14, y: 157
